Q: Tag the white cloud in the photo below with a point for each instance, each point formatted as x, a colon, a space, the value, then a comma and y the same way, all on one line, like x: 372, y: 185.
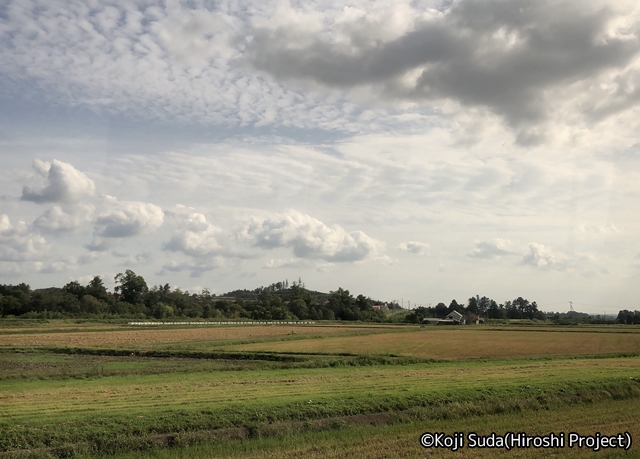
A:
x: 131, y: 260
x: 552, y: 66
x: 69, y: 218
x: 598, y: 230
x: 196, y: 268
x: 310, y: 238
x: 19, y: 243
x: 434, y: 151
x: 285, y: 263
x: 158, y: 61
x: 418, y: 248
x: 11, y: 269
x: 492, y: 249
x: 64, y: 184
x: 518, y: 59
x: 543, y: 257
x: 196, y: 238
x: 88, y: 258
x: 124, y: 219
x: 59, y: 266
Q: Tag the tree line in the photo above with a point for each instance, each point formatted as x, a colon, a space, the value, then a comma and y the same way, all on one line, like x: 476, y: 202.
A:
x: 481, y: 307
x: 133, y: 298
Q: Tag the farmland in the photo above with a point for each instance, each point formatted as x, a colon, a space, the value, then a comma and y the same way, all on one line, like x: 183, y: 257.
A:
x: 305, y: 390
x: 120, y: 337
x: 441, y: 343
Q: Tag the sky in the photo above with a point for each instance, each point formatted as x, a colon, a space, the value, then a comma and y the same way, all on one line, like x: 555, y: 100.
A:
x: 416, y: 151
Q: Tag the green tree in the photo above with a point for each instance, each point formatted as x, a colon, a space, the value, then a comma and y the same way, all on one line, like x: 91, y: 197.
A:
x: 363, y: 303
x: 473, y: 304
x: 96, y: 289
x: 299, y: 308
x: 161, y: 311
x: 131, y: 287
x: 342, y: 305
x: 10, y: 305
x: 496, y: 312
x: 441, y: 309
x: 483, y: 305
x: 418, y: 315
x: 91, y: 305
x: 74, y: 288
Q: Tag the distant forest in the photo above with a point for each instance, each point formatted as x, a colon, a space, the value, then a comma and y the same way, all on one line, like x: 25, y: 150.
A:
x: 133, y: 299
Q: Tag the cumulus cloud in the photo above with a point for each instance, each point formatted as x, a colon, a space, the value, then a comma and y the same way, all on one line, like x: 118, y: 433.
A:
x: 19, y: 243
x: 418, y: 248
x: 63, y: 184
x: 124, y: 219
x: 59, y: 219
x: 310, y: 238
x: 196, y: 237
x: 543, y: 257
x: 492, y: 249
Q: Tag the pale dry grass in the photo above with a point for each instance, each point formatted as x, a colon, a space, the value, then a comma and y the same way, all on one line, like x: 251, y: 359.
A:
x: 139, y: 336
x: 460, y: 343
x: 607, y: 418
x: 55, y: 400
x: 401, y: 441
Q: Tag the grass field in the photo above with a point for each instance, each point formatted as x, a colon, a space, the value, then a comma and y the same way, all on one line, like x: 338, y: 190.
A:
x: 442, y: 343
x: 401, y: 440
x: 321, y: 391
x: 110, y: 337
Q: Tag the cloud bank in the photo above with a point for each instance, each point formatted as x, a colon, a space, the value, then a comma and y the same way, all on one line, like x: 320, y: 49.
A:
x: 327, y: 66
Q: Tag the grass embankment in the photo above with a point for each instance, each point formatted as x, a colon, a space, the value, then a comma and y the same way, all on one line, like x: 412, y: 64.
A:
x: 400, y: 440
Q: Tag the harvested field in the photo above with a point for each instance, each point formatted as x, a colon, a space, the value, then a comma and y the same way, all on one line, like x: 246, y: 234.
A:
x: 449, y: 343
x: 139, y: 336
x: 29, y: 401
x: 74, y: 393
x: 60, y: 328
x: 401, y: 441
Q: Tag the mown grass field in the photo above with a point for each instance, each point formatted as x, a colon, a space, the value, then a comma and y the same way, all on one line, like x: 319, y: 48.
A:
x: 321, y: 391
x: 401, y: 440
x: 127, y: 336
x: 468, y: 342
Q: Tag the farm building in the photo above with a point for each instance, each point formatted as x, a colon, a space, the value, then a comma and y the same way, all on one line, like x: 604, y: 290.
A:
x: 453, y: 318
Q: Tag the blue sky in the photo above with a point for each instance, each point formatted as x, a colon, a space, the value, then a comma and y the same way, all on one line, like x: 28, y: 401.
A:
x: 424, y: 150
